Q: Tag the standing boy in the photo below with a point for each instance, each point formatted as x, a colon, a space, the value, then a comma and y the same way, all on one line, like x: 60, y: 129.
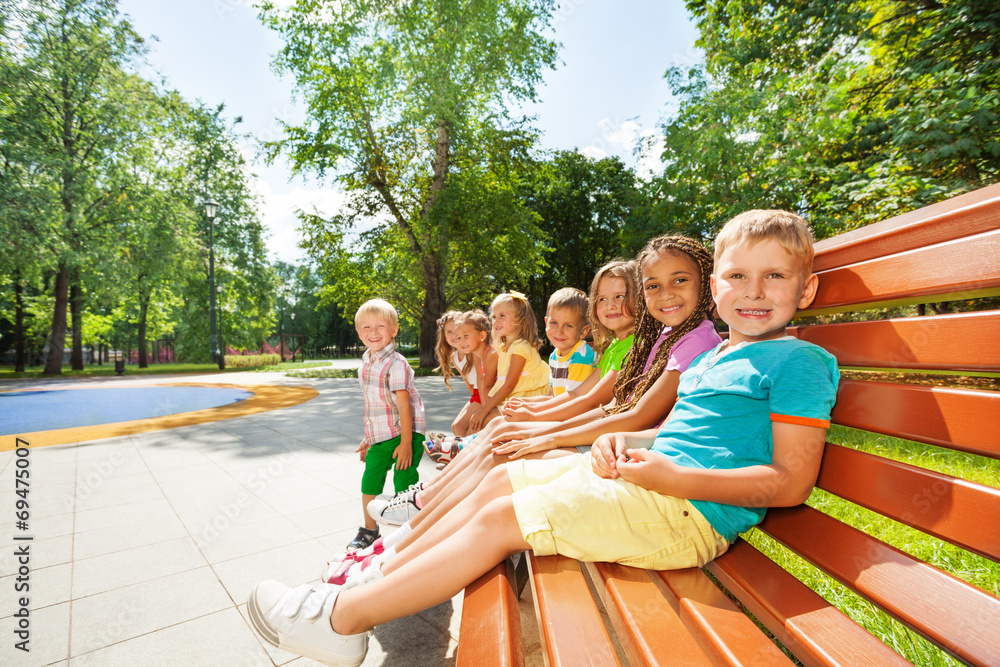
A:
x: 572, y: 360
x: 747, y: 433
x: 393, y: 413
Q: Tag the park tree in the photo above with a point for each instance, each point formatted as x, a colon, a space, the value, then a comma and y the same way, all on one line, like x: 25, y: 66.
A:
x: 849, y: 112
x: 590, y: 213
x: 72, y: 70
x: 408, y: 112
x: 213, y: 165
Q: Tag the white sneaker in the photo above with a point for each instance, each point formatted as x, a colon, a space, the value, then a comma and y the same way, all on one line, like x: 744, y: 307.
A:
x: 394, y: 512
x: 298, y: 620
x: 371, y: 573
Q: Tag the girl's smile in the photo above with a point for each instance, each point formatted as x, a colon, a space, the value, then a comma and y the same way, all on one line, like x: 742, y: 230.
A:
x: 504, y: 322
x: 612, y: 306
x: 670, y: 287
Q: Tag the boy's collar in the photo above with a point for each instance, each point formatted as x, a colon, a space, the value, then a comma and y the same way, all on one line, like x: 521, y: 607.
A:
x: 384, y: 352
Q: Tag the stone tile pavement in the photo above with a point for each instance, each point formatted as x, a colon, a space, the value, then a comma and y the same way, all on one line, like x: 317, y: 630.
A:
x: 146, y: 546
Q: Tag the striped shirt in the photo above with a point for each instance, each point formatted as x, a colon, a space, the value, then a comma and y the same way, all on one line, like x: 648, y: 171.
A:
x: 566, y: 373
x: 381, y: 374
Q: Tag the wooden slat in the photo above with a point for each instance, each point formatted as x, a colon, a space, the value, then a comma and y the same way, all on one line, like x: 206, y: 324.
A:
x: 964, y: 342
x: 964, y: 419
x: 490, y: 632
x: 971, y: 213
x: 650, y: 631
x: 947, y: 611
x: 569, y: 622
x: 962, y: 269
x: 722, y: 630
x: 953, y: 509
x: 810, y: 627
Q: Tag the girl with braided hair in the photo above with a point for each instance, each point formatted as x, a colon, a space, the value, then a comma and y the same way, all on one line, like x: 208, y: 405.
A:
x: 673, y: 326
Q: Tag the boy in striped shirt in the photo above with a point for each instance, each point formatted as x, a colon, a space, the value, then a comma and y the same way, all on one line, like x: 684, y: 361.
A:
x: 572, y: 360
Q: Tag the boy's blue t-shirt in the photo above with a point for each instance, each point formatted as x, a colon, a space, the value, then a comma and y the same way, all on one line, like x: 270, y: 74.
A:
x: 726, y: 405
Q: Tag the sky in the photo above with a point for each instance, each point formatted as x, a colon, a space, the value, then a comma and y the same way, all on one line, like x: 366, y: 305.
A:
x: 606, y: 94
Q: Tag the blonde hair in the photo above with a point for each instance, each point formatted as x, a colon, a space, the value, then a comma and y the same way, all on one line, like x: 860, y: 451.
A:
x: 377, y: 308
x: 627, y: 270
x: 443, y: 349
x: 632, y: 383
x: 528, y: 325
x: 570, y: 297
x: 751, y: 227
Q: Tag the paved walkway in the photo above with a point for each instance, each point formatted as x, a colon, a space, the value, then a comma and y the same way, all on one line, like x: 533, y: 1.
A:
x: 146, y: 546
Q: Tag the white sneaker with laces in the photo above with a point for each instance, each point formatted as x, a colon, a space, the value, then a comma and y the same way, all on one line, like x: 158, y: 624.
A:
x: 298, y: 620
x: 395, y: 512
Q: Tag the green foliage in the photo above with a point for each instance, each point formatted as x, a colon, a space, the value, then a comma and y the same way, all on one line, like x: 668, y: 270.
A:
x: 849, y: 112
x: 251, y: 360
x: 101, y: 179
x: 407, y: 110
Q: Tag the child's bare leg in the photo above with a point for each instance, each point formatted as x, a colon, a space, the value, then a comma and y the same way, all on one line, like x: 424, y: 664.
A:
x: 369, y: 522
x: 478, y: 541
x: 458, y: 464
x: 461, y: 424
x: 448, y: 504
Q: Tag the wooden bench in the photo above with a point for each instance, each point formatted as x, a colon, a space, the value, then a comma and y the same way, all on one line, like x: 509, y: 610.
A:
x: 946, y: 252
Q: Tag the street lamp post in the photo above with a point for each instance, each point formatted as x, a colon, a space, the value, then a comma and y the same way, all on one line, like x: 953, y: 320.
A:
x: 222, y: 341
x: 211, y: 206
x: 293, y: 338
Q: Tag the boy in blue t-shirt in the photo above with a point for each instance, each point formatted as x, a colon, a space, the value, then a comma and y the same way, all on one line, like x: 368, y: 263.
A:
x: 747, y: 432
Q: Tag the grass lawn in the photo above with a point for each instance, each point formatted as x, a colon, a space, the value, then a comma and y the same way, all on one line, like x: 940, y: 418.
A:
x: 974, y: 569
x: 108, y: 369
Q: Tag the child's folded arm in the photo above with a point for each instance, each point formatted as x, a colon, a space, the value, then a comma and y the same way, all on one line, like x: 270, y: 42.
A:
x: 786, y: 481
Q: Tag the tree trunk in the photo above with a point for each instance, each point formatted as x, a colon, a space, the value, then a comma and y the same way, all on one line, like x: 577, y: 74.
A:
x: 143, y: 309
x: 57, y: 337
x: 434, y: 305
x: 20, y: 344
x: 76, y: 312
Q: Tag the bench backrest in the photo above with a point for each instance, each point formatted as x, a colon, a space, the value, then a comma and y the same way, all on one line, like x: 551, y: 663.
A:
x: 946, y: 252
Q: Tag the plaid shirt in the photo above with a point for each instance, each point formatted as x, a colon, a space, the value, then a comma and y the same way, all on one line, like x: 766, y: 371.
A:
x: 382, y: 373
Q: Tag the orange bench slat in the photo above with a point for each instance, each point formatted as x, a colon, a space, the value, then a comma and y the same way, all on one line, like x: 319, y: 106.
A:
x: 964, y: 215
x: 490, y: 631
x: 962, y: 269
x: 722, y: 630
x: 569, y: 622
x: 946, y: 610
x: 647, y: 625
x: 953, y: 509
x: 810, y: 627
x: 962, y: 419
x: 962, y: 342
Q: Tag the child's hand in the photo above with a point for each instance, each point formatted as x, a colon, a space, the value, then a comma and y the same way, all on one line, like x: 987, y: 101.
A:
x: 362, y: 449
x: 403, y: 455
x: 649, y: 470
x: 518, y: 448
x: 517, y: 413
x: 512, y: 403
x: 605, y: 454
x: 478, y: 420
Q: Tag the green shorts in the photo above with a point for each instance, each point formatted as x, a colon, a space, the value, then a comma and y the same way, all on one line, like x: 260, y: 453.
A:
x: 379, y: 461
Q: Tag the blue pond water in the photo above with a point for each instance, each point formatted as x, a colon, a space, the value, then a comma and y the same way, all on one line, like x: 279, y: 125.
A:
x: 45, y: 410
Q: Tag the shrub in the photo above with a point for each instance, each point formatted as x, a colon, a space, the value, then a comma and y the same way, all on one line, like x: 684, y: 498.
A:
x: 252, y: 360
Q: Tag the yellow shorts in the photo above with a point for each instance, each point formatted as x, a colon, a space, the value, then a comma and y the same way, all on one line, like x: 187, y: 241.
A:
x: 562, y: 507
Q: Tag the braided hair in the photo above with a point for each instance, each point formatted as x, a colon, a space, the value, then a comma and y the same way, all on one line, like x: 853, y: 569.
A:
x: 632, y: 383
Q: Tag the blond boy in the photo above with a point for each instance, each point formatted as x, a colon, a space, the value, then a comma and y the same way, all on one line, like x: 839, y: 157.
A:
x: 393, y: 413
x: 572, y: 360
